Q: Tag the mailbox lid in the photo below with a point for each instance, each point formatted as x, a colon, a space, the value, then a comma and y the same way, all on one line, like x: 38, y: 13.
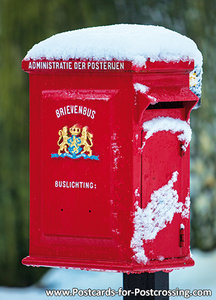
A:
x: 126, y: 42
x: 140, y: 47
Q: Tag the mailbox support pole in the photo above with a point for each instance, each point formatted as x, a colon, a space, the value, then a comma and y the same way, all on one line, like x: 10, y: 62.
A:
x: 146, y: 281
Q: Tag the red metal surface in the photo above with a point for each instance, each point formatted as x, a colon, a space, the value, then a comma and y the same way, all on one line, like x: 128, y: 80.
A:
x: 72, y: 225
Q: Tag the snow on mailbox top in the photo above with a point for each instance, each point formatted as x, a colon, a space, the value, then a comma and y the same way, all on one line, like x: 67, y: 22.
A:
x: 135, y: 43
x: 122, y: 42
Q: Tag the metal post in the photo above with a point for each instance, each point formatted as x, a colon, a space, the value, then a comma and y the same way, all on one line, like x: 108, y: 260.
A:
x: 146, y: 281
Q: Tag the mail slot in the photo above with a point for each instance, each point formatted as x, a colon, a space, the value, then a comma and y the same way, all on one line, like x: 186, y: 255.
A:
x: 109, y: 163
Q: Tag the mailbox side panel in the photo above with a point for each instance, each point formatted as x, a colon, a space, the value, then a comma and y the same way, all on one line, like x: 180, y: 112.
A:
x: 161, y: 237
x: 165, y: 181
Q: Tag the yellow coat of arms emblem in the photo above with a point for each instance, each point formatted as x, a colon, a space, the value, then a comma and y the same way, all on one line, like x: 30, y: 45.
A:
x: 75, y: 142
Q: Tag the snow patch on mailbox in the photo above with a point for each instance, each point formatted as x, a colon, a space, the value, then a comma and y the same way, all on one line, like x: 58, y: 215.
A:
x: 143, y: 89
x: 168, y: 124
x: 152, y: 219
x: 186, y: 207
x: 116, y: 151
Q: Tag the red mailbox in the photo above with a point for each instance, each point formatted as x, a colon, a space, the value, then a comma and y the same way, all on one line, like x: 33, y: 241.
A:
x: 109, y: 162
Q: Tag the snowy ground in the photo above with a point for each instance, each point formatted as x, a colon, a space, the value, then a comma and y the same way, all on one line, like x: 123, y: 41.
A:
x: 202, y: 276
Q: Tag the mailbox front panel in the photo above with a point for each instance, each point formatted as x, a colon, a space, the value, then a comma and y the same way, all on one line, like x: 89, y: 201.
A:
x: 75, y: 158
x: 78, y: 173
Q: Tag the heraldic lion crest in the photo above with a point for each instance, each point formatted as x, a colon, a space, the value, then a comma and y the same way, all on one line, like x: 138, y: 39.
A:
x: 75, y: 142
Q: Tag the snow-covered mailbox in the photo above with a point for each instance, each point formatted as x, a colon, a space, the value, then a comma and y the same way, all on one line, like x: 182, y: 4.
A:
x: 109, y: 148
